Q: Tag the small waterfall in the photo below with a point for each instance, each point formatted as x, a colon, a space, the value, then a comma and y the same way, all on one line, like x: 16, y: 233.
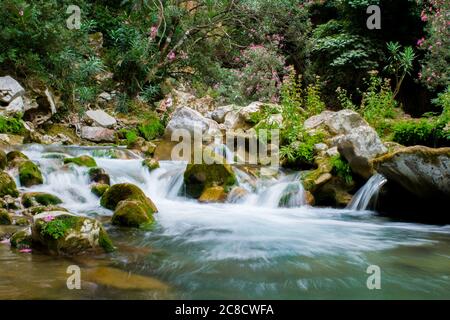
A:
x: 223, y: 151
x: 286, y: 191
x: 368, y: 193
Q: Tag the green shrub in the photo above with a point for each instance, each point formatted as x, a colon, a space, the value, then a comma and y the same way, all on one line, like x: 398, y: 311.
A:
x: 425, y: 132
x: 11, y: 125
x: 58, y: 227
x: 300, y: 153
x: 342, y: 169
x: 151, y: 128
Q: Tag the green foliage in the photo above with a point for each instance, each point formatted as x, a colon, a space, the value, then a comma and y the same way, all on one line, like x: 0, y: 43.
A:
x: 342, y: 169
x: 301, y: 152
x: 58, y: 227
x: 11, y: 125
x: 400, y: 63
x: 423, y: 132
x: 378, y: 104
x: 150, y: 128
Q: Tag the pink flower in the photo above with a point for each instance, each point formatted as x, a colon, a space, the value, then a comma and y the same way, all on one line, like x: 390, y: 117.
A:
x: 5, y: 241
x: 153, y: 32
x: 171, y: 56
x: 25, y: 250
x: 49, y: 218
x: 420, y: 42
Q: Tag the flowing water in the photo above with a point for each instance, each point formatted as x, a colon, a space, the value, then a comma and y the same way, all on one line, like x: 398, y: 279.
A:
x: 264, y: 245
x: 368, y: 194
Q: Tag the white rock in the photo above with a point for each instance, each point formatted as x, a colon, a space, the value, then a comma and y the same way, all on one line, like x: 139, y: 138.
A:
x: 190, y: 120
x: 10, y: 89
x: 98, y: 134
x: 15, y: 106
x: 219, y: 114
x: 101, y: 118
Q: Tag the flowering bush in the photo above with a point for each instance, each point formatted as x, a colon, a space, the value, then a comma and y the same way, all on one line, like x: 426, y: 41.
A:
x: 261, y: 72
x: 434, y: 71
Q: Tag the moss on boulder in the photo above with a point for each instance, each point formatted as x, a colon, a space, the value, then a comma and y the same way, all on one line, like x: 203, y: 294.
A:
x: 3, y: 160
x: 7, y: 185
x: 29, y: 174
x: 39, y: 209
x: 66, y: 234
x: 131, y: 213
x: 14, y: 155
x: 213, y: 194
x: 99, y: 189
x: 151, y: 164
x: 199, y: 177
x: 21, y: 239
x: 99, y: 175
x: 5, y: 218
x: 32, y: 199
x: 126, y: 191
x: 82, y: 161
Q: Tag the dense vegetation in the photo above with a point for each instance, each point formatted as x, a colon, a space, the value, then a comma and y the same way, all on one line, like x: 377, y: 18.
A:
x: 304, y: 55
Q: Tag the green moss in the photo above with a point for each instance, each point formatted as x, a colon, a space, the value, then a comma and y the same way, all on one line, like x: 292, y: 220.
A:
x: 39, y: 198
x: 151, y: 128
x: 105, y: 242
x: 21, y: 239
x: 29, y: 174
x: 40, y: 209
x: 22, y: 221
x: 3, y: 160
x: 83, y: 161
x: 151, y: 164
x: 5, y: 218
x: 15, y: 157
x: 125, y: 191
x: 7, y: 185
x: 99, y: 189
x: 131, y: 213
x: 198, y: 177
x: 58, y: 227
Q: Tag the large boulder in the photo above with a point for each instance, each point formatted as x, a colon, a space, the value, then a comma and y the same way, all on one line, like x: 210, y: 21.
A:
x: 355, y: 140
x: 67, y: 234
x: 126, y: 191
x: 189, y: 119
x: 219, y: 114
x: 30, y: 174
x: 131, y: 213
x: 423, y: 171
x: 199, y: 177
x: 7, y: 185
x: 98, y: 134
x: 14, y: 158
x: 101, y: 118
x: 10, y: 89
x: 359, y: 147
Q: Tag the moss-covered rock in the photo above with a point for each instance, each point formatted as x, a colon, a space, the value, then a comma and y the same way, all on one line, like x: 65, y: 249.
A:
x: 213, y: 194
x: 32, y: 199
x: 99, y: 189
x: 3, y: 160
x: 66, y: 234
x: 5, y: 218
x: 21, y: 221
x: 13, y: 156
x: 21, y: 239
x: 39, y: 209
x: 131, y: 213
x: 126, y: 191
x: 99, y: 175
x: 82, y: 161
x: 199, y: 177
x: 151, y: 164
x: 29, y: 174
x: 7, y: 185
